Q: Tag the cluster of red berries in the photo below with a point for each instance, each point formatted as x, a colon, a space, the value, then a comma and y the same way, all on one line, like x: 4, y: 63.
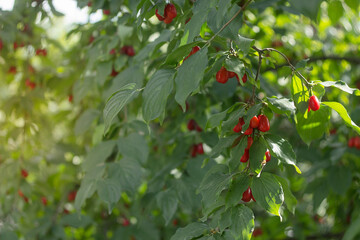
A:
x: 30, y: 84
x: 18, y: 45
x: 314, y: 103
x: 223, y: 75
x: 196, y: 148
x: 193, y: 51
x: 127, y: 50
x: 41, y: 52
x: 354, y: 142
x: 169, y: 13
x: 25, y: 174
x: 192, y: 125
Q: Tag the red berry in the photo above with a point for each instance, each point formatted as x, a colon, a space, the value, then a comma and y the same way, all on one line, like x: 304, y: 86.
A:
x: 245, y: 156
x: 194, y: 150
x: 161, y: 18
x: 41, y: 52
x: 12, y: 70
x: 222, y: 75
x: 244, y: 78
x: 357, y: 142
x: 44, y: 201
x: 254, y: 122
x: 91, y: 39
x: 31, y: 69
x: 126, y: 222
x: 1, y: 44
x: 114, y: 73
x: 193, y: 51
x: 250, y: 141
x: 168, y: 20
x: 106, y: 11
x: 257, y: 232
x: 241, y: 121
x: 30, y: 84
x: 130, y: 51
x: 248, y: 131
x: 89, y: 4
x: 71, y: 98
x: 170, y: 11
x: 112, y: 51
x: 314, y: 103
x: 200, y: 149
x: 264, y: 124
x: 187, y: 20
x: 24, y: 173
x: 231, y: 74
x: 247, y: 195
x: 72, y: 196
x: 198, y: 128
x: 175, y: 222
x: 66, y: 211
x: 191, y: 125
x: 268, y: 156
x: 237, y: 128
x: 351, y: 142
x: 21, y: 194
x: 26, y: 199
x: 15, y: 45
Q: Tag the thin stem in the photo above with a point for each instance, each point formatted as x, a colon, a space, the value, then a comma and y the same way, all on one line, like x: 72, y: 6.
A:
x: 228, y: 22
x: 260, y: 52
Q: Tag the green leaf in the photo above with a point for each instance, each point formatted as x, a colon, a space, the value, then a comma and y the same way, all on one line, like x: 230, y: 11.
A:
x: 236, y: 190
x: 98, y: 154
x: 124, y: 32
x: 339, y: 179
x: 83, y: 123
x: 215, y: 119
x: 234, y: 64
x: 8, y: 235
x: 268, y: 193
x: 134, y: 146
x: 281, y: 149
x: 354, y: 4
x: 335, y: 11
x: 341, y: 110
x: 189, y: 75
x: 342, y: 86
x: 191, y: 231
x: 86, y: 190
x: 109, y: 191
x: 179, y: 53
x: 309, y: 8
x: 253, y: 111
x: 76, y: 220
x: 156, y: 93
x: 290, y: 200
x: 223, y: 143
x: 282, y: 105
x: 116, y: 102
x: 256, y: 155
x: 167, y: 201
x: 244, y: 44
x: 353, y: 230
x: 243, y: 223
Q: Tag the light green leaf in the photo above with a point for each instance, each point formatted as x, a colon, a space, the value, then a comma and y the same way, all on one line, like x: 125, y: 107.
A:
x: 109, y: 191
x: 86, y: 190
x: 335, y: 11
x: 243, y: 223
x: 191, y: 231
x: 309, y: 8
x: 342, y: 86
x: 290, y: 200
x: 353, y: 230
x: 83, y: 123
x: 116, y: 102
x: 244, y: 44
x: 354, y: 4
x: 98, y: 154
x: 156, y: 93
x: 282, y: 105
x: 341, y: 110
x: 167, y: 201
x: 281, y: 149
x: 124, y: 32
x: 268, y: 193
x: 189, y: 75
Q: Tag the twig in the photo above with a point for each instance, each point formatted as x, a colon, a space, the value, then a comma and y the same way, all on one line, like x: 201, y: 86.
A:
x: 226, y: 24
x: 260, y: 52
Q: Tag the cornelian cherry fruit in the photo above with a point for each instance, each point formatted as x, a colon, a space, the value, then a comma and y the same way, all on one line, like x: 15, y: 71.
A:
x: 268, y: 156
x: 254, y: 122
x: 314, y: 103
x: 222, y: 75
x: 264, y: 124
x: 244, y: 78
x: 250, y: 141
x: 248, y: 131
x: 247, y: 195
x: 245, y: 156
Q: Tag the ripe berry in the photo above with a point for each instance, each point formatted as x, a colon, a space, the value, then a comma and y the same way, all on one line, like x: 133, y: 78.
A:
x: 254, y: 122
x: 237, y: 128
x: 71, y: 98
x: 250, y: 141
x: 126, y: 222
x: 89, y: 4
x: 264, y: 124
x: 44, y: 201
x: 194, y: 150
x: 12, y: 70
x: 314, y: 103
x: 247, y: 195
x: 161, y: 18
x: 257, y: 232
x: 200, y: 149
x: 198, y: 128
x: 244, y: 78
x: 231, y: 74
x: 193, y: 51
x: 21, y: 194
x: 248, y: 131
x: 91, y: 39
x: 222, y: 75
x: 170, y: 11
x: 245, y: 156
x: 114, y: 73
x: 351, y: 142
x: 357, y: 142
x: 268, y: 156
x: 128, y: 50
x: 24, y: 173
x: 72, y: 196
x: 106, y: 11
x: 241, y: 121
x: 1, y: 44
x: 175, y: 222
x: 30, y: 84
x: 191, y: 125
x: 112, y: 51
x: 26, y: 199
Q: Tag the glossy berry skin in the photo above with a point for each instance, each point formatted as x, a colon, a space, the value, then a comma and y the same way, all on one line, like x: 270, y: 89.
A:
x: 314, y: 103
x: 268, y: 156
x: 244, y: 78
x: 247, y: 195
x: 161, y: 18
x: 237, y: 128
x: 106, y: 11
x: 222, y: 75
x: 170, y: 11
x: 44, y: 201
x: 250, y: 141
x: 357, y: 142
x: 248, y: 131
x: 264, y: 124
x: 191, y: 125
x: 24, y: 173
x: 72, y: 196
x: 245, y: 156
x: 254, y: 122
x: 194, y: 150
x: 200, y: 149
x: 193, y: 51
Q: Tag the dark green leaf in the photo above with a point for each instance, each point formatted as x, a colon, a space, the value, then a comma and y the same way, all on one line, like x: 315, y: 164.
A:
x: 290, y: 200
x: 167, y: 201
x: 339, y: 179
x: 83, y: 123
x: 191, y: 231
x: 236, y: 190
x: 134, y: 146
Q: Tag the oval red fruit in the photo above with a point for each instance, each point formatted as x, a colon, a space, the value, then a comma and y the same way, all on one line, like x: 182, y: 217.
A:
x: 245, y: 156
x: 200, y: 149
x: 254, y: 122
x: 351, y: 142
x: 268, y: 156
x: 24, y: 173
x: 191, y: 125
x: 244, y: 78
x: 248, y: 131
x: 231, y: 74
x: 314, y: 103
x: 161, y: 18
x: 237, y: 128
x: 194, y: 151
x: 264, y: 124
x: 247, y: 195
x: 222, y: 75
x: 357, y: 142
x: 250, y: 141
x: 44, y: 201
x: 170, y: 11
